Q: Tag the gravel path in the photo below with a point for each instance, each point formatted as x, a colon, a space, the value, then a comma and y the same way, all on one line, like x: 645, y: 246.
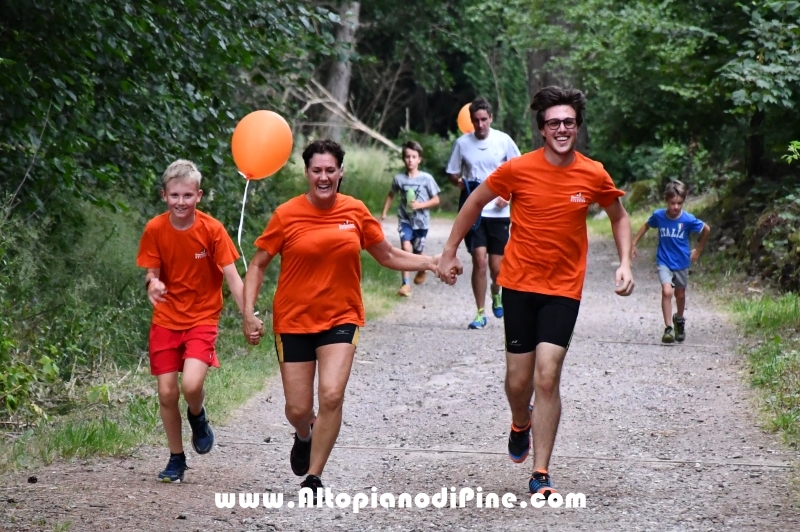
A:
x: 656, y: 437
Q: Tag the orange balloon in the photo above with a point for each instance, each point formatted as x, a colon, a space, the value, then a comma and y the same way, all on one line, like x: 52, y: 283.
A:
x: 464, y: 122
x: 261, y: 144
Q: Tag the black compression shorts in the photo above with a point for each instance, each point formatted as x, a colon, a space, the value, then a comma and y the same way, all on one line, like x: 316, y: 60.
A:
x: 531, y: 318
x: 303, y: 347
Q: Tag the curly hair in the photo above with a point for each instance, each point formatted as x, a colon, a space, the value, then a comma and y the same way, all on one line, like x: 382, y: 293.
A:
x: 323, y: 146
x: 551, y: 96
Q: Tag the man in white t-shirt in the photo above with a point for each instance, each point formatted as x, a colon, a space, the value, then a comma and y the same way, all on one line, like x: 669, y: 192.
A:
x: 475, y: 156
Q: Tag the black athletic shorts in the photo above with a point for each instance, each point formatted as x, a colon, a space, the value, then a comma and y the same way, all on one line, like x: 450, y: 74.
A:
x: 530, y: 318
x: 303, y: 347
x: 491, y: 234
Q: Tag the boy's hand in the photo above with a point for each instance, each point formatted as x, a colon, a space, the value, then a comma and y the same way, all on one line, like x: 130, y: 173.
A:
x: 449, y: 268
x: 383, y: 216
x: 416, y: 205
x: 695, y: 255
x: 460, y: 183
x: 156, y: 291
x: 434, y: 262
x: 634, y: 252
x: 253, y: 329
x: 624, y: 281
x: 500, y: 203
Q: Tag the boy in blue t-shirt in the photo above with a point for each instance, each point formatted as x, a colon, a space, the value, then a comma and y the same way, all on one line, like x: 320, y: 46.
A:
x: 674, y: 255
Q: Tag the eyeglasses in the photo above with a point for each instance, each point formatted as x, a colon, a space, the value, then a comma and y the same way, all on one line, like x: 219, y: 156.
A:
x: 555, y: 123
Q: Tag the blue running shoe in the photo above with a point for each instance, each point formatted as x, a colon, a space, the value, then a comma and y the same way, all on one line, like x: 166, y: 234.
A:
x: 202, y: 435
x: 174, y: 470
x: 519, y: 443
x: 497, y: 305
x: 479, y: 322
x: 540, y: 483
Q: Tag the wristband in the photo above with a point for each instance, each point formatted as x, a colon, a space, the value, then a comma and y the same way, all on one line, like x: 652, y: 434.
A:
x: 147, y: 284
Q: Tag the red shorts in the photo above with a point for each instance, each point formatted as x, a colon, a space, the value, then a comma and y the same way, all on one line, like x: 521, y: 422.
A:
x: 168, y: 348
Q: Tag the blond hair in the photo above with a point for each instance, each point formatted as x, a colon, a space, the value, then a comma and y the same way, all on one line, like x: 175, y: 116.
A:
x: 183, y: 170
x: 674, y: 189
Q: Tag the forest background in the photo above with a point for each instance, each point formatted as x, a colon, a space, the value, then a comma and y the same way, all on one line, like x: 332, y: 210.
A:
x: 96, y: 98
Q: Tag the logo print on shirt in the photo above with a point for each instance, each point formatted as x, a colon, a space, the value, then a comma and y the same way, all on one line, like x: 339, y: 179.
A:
x: 672, y: 233
x: 201, y: 255
x: 577, y: 198
x: 347, y: 225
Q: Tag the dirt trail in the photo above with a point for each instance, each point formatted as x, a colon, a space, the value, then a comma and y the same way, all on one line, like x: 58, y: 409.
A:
x: 656, y: 437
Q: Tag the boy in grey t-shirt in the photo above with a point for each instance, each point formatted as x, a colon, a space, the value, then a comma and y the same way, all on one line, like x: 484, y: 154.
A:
x: 418, y: 193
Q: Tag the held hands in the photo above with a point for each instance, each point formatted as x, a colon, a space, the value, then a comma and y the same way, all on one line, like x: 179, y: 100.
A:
x: 253, y: 329
x: 624, y: 281
x: 448, y: 268
x: 156, y: 291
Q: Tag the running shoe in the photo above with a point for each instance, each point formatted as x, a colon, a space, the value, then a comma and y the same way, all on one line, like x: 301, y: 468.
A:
x: 420, y: 277
x: 174, y: 470
x: 404, y: 291
x: 680, y: 328
x: 497, y: 305
x: 519, y: 443
x: 479, y: 322
x: 540, y: 483
x: 669, y: 336
x: 300, y: 457
x: 313, y: 482
x: 202, y: 435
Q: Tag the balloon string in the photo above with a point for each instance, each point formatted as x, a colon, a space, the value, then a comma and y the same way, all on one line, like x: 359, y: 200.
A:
x: 241, y: 221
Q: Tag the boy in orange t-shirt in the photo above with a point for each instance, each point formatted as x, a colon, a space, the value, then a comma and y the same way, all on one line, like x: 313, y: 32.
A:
x: 543, y: 267
x: 186, y: 253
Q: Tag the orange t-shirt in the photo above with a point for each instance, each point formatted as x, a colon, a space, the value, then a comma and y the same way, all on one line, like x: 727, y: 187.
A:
x: 548, y: 243
x: 191, y: 263
x: 319, y: 286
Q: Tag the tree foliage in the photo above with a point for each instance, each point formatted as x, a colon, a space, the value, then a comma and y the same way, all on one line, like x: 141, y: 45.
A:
x: 94, y: 94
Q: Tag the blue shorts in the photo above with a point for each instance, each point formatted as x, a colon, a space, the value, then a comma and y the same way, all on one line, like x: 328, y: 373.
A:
x: 415, y: 236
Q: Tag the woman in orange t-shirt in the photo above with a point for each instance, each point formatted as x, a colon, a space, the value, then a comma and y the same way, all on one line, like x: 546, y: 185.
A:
x: 317, y: 308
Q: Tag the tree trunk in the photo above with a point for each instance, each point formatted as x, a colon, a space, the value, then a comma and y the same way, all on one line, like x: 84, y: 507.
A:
x: 754, y: 147
x: 341, y: 69
x: 539, y: 77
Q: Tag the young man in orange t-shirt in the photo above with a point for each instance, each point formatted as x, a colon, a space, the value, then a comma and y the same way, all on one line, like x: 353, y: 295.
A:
x: 544, y: 265
x: 186, y: 253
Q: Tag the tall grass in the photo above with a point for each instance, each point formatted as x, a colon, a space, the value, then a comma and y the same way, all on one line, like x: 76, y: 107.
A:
x: 775, y: 359
x: 769, y: 314
x: 368, y: 175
